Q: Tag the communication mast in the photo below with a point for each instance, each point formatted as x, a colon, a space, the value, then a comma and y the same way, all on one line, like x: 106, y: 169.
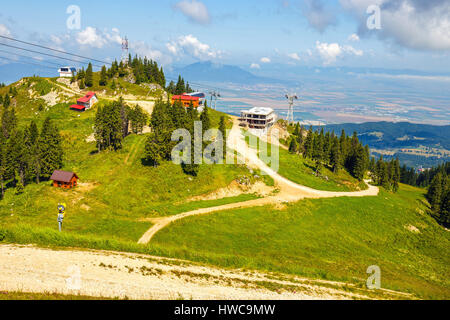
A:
x: 125, y: 53
x: 290, y: 115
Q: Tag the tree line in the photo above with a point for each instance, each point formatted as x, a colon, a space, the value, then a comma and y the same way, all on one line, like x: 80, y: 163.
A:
x: 422, y: 179
x: 116, y: 120
x: 167, y: 118
x: 180, y: 87
x: 343, y: 152
x: 27, y: 154
x: 438, y: 196
x: 329, y: 150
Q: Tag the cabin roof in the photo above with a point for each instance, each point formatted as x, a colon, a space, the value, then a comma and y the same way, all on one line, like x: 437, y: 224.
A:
x: 77, y: 107
x: 87, y: 97
x: 63, y: 176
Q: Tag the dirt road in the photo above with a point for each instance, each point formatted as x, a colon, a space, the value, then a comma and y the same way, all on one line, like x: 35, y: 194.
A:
x: 289, y: 191
x: 134, y: 276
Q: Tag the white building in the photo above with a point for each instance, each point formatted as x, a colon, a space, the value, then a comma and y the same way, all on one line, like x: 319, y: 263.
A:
x: 258, y: 118
x: 67, y: 72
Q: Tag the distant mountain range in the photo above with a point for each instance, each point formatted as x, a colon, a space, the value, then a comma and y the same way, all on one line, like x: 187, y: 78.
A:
x: 220, y: 73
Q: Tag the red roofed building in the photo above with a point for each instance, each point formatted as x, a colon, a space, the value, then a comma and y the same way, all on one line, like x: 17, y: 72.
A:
x: 186, y: 100
x: 85, y: 102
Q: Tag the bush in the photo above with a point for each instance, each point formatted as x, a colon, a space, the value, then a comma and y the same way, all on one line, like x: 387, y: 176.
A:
x: 2, y: 235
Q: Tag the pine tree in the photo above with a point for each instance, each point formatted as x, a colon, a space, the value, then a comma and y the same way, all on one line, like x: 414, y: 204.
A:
x: 5, y: 172
x: 335, y: 157
x: 89, y: 81
x: 171, y: 88
x: 222, y: 129
x: 32, y: 144
x: 396, y: 178
x: 138, y: 119
x: 103, y: 77
x: 152, y: 153
x: 206, y: 121
x: 9, y: 121
x: 82, y: 85
x: 17, y: 158
x: 434, y: 194
x: 293, y: 146
x: 51, y: 151
x: 309, y: 144
x: 81, y: 74
x: 180, y: 86
x: 444, y: 216
x: 297, y: 130
x: 344, y: 147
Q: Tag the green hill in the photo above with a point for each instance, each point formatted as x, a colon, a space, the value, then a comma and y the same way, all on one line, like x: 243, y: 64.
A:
x: 332, y: 239
x: 326, y: 238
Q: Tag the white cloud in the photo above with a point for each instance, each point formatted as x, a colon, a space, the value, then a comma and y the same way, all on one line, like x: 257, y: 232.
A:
x: 172, y: 47
x: 415, y: 24
x: 95, y: 38
x: 91, y: 37
x: 4, y: 31
x: 353, y: 37
x: 143, y: 49
x: 114, y: 36
x: 195, y: 10
x: 351, y: 50
x: 330, y: 52
x: 265, y: 60
x: 294, y: 56
x: 255, y: 66
x: 190, y: 45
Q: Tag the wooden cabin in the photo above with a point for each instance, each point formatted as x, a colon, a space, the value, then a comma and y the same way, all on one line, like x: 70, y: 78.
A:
x: 64, y: 179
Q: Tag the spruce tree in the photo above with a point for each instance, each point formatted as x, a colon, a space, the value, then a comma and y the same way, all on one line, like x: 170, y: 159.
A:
x: 6, y: 101
x: 103, y: 77
x: 293, y: 146
x: 434, y: 194
x: 206, y: 121
x: 222, y: 129
x: 152, y: 153
x: 89, y: 81
x: 50, y: 149
x: 309, y: 144
x: 335, y: 158
x: 5, y: 170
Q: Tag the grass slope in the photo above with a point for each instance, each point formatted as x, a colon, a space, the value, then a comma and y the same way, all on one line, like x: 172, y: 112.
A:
x: 297, y: 169
x: 117, y: 191
x: 335, y: 239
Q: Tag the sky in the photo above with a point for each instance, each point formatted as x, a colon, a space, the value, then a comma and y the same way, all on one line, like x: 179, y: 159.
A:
x: 406, y: 34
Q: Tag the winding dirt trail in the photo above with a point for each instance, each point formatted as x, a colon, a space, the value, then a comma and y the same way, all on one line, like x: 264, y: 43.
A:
x: 137, y: 276
x: 289, y: 191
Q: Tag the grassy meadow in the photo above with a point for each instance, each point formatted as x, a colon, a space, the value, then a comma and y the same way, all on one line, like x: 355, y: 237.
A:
x: 117, y: 191
x: 333, y: 239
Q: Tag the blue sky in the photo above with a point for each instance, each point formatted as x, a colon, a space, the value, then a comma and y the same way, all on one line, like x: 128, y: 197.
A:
x: 254, y: 34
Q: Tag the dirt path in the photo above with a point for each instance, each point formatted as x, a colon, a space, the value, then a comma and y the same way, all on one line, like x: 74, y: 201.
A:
x: 289, y: 191
x: 134, y: 276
